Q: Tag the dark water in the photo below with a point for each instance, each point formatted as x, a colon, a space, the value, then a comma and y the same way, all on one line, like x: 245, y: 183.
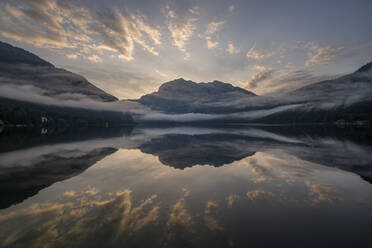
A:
x: 187, y: 187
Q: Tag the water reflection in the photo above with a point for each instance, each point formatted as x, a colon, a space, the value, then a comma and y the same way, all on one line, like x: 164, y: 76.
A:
x: 187, y: 187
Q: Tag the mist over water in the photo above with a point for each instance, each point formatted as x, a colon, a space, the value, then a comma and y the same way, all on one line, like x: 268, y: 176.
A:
x: 210, y: 186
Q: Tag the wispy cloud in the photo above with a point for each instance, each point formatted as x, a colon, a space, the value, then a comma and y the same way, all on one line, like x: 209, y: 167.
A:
x: 255, y: 53
x: 211, y: 29
x: 194, y: 10
x: 292, y: 80
x: 66, y: 24
x: 231, y: 8
x: 36, y: 95
x: 276, y: 81
x: 119, y: 31
x: 181, y: 28
x: 210, y: 43
x: 232, y: 49
x: 320, y: 55
x: 94, y: 58
x: 72, y: 56
x: 36, y: 22
x: 259, y: 68
x: 153, y: 33
x: 258, y: 78
x: 181, y: 31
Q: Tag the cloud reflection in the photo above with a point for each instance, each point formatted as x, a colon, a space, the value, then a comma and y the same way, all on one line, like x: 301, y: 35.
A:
x: 129, y: 194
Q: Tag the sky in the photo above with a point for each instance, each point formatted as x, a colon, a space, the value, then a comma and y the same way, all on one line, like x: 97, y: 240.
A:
x: 129, y: 48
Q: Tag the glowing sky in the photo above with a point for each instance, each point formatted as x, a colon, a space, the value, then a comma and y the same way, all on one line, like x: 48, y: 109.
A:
x: 129, y: 48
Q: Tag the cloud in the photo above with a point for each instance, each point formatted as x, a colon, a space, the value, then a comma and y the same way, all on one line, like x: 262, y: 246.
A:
x: 320, y: 192
x: 187, y: 56
x: 210, y: 214
x: 181, y: 31
x: 256, y: 54
x: 296, y: 79
x: 210, y: 43
x: 264, y: 82
x: 190, y: 117
x: 181, y: 28
x: 153, y: 33
x: 232, y: 49
x: 123, y: 216
x: 35, y: 22
x: 119, y: 31
x: 259, y: 77
x: 33, y: 94
x: 231, y: 199
x: 231, y: 8
x: 194, y: 10
x: 72, y: 56
x: 259, y: 68
x: 211, y: 29
x: 259, y: 194
x: 321, y: 55
x: 67, y: 24
x: 179, y: 217
x: 94, y: 58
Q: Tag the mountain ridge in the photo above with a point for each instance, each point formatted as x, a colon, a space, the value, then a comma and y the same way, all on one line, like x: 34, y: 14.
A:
x: 365, y: 68
x: 19, y: 67
x: 184, y: 96
x: 35, y: 93
x: 213, y: 87
x: 16, y: 55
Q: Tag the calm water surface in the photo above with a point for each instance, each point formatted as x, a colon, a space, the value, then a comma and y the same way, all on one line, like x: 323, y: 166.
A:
x: 187, y: 187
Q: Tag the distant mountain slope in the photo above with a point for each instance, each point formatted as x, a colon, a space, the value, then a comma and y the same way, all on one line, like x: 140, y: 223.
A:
x: 181, y: 96
x: 348, y: 89
x: 14, y: 55
x: 344, y: 99
x: 347, y: 98
x: 181, y: 150
x: 181, y: 88
x: 21, y: 182
x: 20, y: 68
x: 365, y: 68
x: 35, y: 93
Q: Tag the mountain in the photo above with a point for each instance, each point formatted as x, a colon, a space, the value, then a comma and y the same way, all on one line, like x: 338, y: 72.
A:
x: 348, y: 89
x: 181, y: 96
x: 181, y: 151
x: 344, y: 99
x: 365, y: 68
x: 19, y: 183
x: 33, y: 92
x: 31, y: 162
x: 345, y: 149
x: 14, y: 55
x: 19, y: 67
x: 347, y: 98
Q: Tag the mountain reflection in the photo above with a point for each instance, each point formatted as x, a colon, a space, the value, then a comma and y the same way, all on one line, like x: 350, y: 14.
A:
x: 30, y: 162
x: 352, y: 153
x: 180, y: 150
x: 24, y: 171
x: 21, y: 180
x: 221, y: 187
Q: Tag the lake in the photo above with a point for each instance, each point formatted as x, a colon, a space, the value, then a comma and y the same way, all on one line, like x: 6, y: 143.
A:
x: 187, y: 186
